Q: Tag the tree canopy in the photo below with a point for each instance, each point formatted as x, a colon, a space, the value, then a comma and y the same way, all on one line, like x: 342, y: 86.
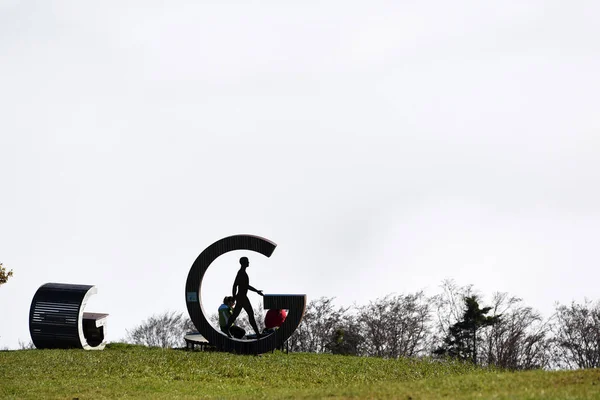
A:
x: 461, y: 341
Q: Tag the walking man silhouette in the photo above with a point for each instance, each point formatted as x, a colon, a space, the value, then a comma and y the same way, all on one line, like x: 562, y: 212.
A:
x: 241, y: 285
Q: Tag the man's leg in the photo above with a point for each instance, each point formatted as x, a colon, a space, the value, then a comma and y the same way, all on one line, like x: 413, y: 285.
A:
x: 250, y: 313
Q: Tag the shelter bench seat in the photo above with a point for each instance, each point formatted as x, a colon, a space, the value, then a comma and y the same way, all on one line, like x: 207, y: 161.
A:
x: 57, y: 320
x: 195, y: 338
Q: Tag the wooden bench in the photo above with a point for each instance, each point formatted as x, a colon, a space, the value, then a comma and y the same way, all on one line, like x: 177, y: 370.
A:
x: 57, y: 320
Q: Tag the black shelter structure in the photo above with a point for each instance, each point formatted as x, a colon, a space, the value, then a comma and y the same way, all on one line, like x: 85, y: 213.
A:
x: 294, y: 303
x: 57, y: 320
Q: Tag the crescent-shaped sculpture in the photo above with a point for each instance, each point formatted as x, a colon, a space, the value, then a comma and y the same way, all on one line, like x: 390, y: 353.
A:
x: 57, y: 319
x: 295, y: 304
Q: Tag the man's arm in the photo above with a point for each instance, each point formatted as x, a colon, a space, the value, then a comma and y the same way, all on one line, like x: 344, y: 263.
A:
x: 254, y: 290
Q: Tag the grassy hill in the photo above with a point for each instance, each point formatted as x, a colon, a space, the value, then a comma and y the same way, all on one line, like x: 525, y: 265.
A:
x: 139, y: 372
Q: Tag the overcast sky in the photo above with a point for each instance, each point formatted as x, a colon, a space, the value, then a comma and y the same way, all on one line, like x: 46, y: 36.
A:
x: 384, y: 146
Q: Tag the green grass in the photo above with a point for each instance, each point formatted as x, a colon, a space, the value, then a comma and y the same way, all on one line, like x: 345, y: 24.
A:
x: 138, y: 372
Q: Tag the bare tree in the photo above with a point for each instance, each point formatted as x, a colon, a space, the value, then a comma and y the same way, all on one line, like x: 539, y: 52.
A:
x: 395, y: 326
x: 318, y: 326
x: 577, y: 335
x: 164, y: 330
x: 449, y: 308
x: 214, y: 320
x: 520, y: 339
x: 26, y: 345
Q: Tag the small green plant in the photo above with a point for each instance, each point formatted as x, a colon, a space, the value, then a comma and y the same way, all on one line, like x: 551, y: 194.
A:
x: 4, y: 275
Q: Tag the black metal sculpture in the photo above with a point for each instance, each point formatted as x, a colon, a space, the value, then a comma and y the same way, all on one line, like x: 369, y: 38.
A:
x: 295, y: 304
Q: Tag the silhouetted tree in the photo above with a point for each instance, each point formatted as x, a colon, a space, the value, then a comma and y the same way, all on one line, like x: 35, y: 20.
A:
x: 395, y: 326
x: 519, y: 340
x: 26, y: 345
x: 164, y: 330
x: 461, y: 341
x: 449, y: 308
x: 577, y: 335
x: 321, y: 320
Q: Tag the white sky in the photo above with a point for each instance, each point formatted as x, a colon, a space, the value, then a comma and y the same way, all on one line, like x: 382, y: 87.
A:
x: 384, y: 147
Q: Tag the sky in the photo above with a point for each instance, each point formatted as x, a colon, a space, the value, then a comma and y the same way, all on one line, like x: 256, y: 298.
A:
x: 384, y: 146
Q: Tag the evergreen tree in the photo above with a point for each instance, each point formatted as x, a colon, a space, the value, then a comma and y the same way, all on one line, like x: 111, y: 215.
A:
x: 345, y: 342
x: 461, y: 341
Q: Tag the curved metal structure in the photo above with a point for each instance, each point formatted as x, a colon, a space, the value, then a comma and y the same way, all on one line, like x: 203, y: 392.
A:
x: 295, y: 304
x: 57, y: 320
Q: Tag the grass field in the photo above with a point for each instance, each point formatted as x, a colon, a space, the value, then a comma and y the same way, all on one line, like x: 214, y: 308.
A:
x: 139, y: 372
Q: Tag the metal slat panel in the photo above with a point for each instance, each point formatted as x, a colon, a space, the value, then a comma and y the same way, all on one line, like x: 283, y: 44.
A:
x: 54, y: 313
